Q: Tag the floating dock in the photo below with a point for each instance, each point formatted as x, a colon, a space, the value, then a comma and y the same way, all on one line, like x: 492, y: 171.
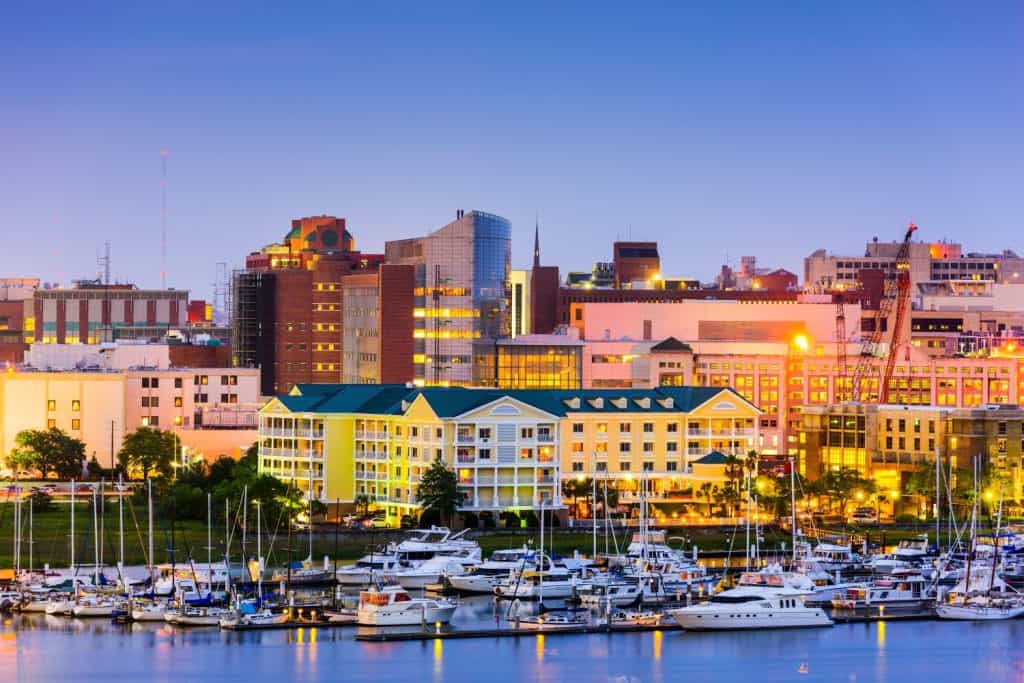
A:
x: 510, y: 632
x: 288, y: 625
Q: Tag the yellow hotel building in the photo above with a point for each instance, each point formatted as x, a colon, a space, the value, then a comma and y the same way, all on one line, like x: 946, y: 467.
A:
x: 510, y: 449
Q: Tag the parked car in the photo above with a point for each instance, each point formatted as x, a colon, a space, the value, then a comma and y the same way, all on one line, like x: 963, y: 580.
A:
x: 864, y: 516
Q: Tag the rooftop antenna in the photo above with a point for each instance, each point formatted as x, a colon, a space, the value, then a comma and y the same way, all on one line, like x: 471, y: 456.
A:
x: 221, y: 294
x: 104, y: 263
x: 163, y: 219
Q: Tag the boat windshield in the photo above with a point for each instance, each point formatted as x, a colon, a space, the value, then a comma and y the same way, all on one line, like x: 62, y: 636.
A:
x: 735, y: 599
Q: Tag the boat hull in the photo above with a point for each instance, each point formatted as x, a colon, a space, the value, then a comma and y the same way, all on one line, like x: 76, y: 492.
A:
x: 978, y: 612
x: 411, y: 616
x: 695, y: 619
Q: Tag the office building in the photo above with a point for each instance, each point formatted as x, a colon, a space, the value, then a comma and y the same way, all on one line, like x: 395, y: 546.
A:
x: 287, y: 304
x: 462, y: 294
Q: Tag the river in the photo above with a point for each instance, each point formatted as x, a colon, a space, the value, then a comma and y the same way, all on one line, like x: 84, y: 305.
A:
x: 45, y: 648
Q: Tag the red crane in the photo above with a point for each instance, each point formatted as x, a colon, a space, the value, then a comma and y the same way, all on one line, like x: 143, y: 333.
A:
x: 892, y: 309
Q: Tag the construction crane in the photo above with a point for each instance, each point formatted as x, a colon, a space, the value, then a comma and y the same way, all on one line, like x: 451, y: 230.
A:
x: 895, y: 296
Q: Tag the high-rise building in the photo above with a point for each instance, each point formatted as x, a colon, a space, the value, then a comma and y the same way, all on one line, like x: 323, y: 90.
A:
x: 462, y: 293
x: 378, y: 325
x: 287, y: 318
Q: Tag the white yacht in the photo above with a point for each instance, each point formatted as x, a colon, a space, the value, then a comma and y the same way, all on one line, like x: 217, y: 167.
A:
x: 437, y: 540
x: 367, y: 569
x: 262, y: 618
x: 485, y: 576
x: 751, y: 607
x: 393, y: 606
x: 903, y: 588
x: 96, y: 605
x: 430, y: 572
x: 833, y: 557
x: 196, y: 616
x: 149, y: 611
x: 637, y: 589
x: 552, y: 621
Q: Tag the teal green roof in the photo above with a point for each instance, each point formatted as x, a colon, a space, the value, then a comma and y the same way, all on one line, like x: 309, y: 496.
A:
x: 387, y: 399
x: 712, y: 458
x: 293, y: 233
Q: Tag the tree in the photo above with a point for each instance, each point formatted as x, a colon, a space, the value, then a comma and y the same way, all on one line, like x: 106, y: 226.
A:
x: 362, y: 502
x: 439, y: 489
x: 50, y: 451
x: 841, y: 485
x: 149, y: 451
x: 707, y: 491
x: 576, y: 488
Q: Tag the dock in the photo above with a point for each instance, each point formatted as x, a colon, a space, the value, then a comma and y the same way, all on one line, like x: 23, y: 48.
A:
x: 860, y: 617
x: 510, y: 632
x: 288, y: 625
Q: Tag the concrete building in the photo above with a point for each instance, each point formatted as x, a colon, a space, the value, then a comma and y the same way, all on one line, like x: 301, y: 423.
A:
x: 928, y: 261
x: 462, y: 294
x: 510, y: 449
x: 287, y: 304
x: 888, y: 443
x: 211, y: 410
x: 92, y: 313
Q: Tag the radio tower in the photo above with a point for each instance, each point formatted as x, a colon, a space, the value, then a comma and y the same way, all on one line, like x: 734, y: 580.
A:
x: 163, y: 219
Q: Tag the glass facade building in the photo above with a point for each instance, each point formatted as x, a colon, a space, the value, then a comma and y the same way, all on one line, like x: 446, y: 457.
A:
x: 462, y: 295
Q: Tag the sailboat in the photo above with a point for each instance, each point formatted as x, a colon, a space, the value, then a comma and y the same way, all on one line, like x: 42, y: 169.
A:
x: 991, y: 601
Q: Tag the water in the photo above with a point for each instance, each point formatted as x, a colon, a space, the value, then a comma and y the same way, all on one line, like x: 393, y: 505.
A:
x: 42, y: 648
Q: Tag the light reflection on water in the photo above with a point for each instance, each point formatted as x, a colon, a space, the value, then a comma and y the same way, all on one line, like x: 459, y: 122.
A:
x: 42, y: 648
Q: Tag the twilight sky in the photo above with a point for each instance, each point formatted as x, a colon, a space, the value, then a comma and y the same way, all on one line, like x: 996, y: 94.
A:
x: 717, y: 128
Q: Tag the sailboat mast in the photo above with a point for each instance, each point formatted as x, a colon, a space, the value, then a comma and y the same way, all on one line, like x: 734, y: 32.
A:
x: 96, y: 541
x: 209, y: 540
x: 938, y: 498
x: 71, y: 555
x: 149, y: 513
x: 995, y: 552
x: 310, y: 520
x: 120, y: 526
x: 792, y: 504
x: 30, y: 520
x: 259, y: 553
x: 593, y: 504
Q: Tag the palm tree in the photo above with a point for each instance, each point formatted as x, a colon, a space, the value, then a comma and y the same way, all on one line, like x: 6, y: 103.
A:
x: 707, y: 490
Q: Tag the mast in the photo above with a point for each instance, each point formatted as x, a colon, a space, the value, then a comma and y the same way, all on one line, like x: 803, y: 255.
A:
x: 541, y: 558
x: 149, y: 513
x: 310, y: 513
x: 593, y: 505
x: 337, y: 525
x: 30, y: 535
x: 974, y: 518
x: 259, y: 553
x: 120, y: 530
x: 792, y: 504
x: 95, y: 538
x: 995, y: 552
x: 209, y: 540
x: 747, y: 527
x: 938, y: 498
x: 71, y: 555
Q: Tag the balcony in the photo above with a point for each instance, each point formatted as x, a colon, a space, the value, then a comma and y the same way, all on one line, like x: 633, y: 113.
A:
x: 279, y: 432
x: 545, y: 480
x: 466, y: 459
x: 545, y: 438
x: 465, y: 438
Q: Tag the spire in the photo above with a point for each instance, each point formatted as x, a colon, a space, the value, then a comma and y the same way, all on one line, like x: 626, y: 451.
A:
x: 536, y: 243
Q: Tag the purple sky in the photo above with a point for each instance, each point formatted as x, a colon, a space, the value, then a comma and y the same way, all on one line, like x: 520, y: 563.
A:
x: 742, y: 128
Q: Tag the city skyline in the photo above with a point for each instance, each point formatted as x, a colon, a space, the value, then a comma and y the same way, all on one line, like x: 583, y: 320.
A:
x: 777, y: 132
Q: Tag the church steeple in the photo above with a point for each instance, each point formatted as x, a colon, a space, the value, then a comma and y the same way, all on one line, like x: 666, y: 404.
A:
x: 536, y: 244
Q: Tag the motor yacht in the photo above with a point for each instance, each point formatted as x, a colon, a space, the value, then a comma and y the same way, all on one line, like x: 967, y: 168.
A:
x: 393, y: 606
x: 751, y: 607
x: 552, y: 621
x: 368, y: 568
x: 905, y: 588
x: 485, y: 576
x: 148, y: 611
x: 196, y: 616
x: 437, y: 540
x: 430, y: 572
x: 833, y: 557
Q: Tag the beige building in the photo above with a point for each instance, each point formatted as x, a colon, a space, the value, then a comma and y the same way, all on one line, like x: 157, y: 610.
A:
x: 212, y: 410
